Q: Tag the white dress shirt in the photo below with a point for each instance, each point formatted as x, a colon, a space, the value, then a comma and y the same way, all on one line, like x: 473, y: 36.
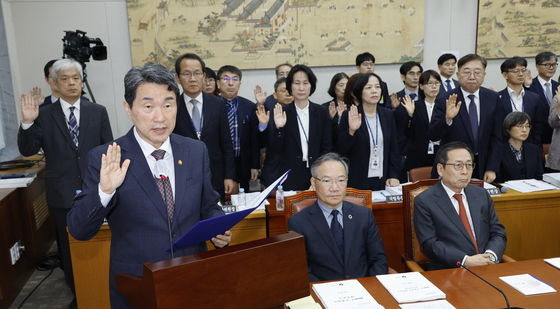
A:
x: 303, y: 128
x: 375, y: 131
x: 190, y: 105
x: 516, y: 100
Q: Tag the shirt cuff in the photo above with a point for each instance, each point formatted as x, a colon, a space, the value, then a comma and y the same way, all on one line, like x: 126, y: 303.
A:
x: 104, y: 197
x: 494, y: 254
x: 262, y: 127
x: 464, y: 259
x: 26, y: 126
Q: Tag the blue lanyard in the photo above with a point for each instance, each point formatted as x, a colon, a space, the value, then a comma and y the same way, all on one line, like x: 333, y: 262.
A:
x: 376, y: 129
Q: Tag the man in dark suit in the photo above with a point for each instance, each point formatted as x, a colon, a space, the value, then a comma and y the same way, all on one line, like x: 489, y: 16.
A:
x: 515, y: 98
x: 243, y: 125
x: 410, y: 76
x: 151, y: 185
x: 447, y: 64
x: 203, y: 116
x: 365, y: 63
x: 341, y: 239
x: 456, y: 221
x: 468, y: 114
x: 545, y: 87
x: 66, y: 130
x: 281, y: 71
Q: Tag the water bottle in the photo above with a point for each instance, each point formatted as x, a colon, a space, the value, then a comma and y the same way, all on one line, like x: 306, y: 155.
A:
x: 241, y: 199
x: 280, y: 199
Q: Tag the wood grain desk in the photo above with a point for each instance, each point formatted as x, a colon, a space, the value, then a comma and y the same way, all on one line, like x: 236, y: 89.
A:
x: 90, y: 259
x: 463, y: 290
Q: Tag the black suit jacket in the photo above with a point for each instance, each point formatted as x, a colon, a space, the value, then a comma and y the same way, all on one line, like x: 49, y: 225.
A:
x: 532, y: 166
x: 537, y: 88
x: 65, y: 163
x: 285, y: 144
x: 215, y: 134
x: 533, y: 107
x: 489, y: 130
x: 363, y: 248
x: 357, y: 148
x: 442, y: 89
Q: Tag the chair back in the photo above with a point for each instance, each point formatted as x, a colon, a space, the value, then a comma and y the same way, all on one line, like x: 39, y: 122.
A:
x: 420, y: 173
x: 304, y: 199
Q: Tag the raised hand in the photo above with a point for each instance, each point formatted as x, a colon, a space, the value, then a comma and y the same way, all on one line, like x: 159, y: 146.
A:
x: 112, y: 173
x: 354, y: 120
x: 528, y: 79
x: 332, y: 110
x: 452, y: 107
x: 394, y: 100
x: 36, y: 94
x: 260, y: 95
x: 409, y: 105
x: 29, y: 108
x: 262, y: 114
x: 340, y: 109
x: 279, y: 116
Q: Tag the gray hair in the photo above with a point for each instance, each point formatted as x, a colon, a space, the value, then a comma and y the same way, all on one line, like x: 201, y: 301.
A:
x: 65, y: 64
x: 149, y: 73
x: 331, y: 156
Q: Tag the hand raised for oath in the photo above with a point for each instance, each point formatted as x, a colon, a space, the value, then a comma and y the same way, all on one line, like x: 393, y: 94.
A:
x: 112, y: 173
x: 279, y: 116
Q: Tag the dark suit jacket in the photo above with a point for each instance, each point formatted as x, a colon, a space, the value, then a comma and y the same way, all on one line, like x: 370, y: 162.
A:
x: 363, y: 248
x: 215, y: 134
x: 489, y: 130
x: 510, y: 169
x: 247, y: 123
x: 533, y: 107
x: 137, y: 214
x: 537, y: 88
x: 442, y: 236
x: 270, y: 102
x: 442, y: 89
x: 357, y: 148
x: 285, y: 144
x: 46, y: 101
x: 334, y: 121
x: 65, y: 163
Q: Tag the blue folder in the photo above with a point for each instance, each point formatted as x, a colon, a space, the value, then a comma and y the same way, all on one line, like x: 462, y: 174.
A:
x: 206, y: 229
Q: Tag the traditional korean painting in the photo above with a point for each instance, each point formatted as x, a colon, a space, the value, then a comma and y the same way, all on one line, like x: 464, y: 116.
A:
x: 253, y: 34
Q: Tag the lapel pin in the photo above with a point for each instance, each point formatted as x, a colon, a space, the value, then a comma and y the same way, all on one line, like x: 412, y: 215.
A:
x: 180, y: 162
x: 350, y: 217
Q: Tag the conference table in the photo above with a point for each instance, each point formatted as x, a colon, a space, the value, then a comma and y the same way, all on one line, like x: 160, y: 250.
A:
x: 464, y: 290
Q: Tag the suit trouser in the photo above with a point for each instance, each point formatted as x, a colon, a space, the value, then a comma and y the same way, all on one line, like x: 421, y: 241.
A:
x: 63, y: 244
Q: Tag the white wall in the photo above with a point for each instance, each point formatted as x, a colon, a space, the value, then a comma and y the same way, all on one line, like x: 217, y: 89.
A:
x: 34, y: 30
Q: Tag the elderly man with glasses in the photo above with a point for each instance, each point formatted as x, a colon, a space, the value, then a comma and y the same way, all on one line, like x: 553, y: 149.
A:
x: 341, y: 239
x: 456, y: 222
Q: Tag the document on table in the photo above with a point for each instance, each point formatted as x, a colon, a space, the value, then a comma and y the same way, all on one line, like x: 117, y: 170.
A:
x: 528, y: 284
x: 554, y: 262
x: 410, y: 287
x: 436, y: 304
x: 303, y: 303
x: 347, y: 294
x: 529, y: 185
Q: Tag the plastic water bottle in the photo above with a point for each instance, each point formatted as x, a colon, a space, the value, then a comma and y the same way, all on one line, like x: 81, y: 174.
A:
x: 241, y: 199
x: 280, y: 198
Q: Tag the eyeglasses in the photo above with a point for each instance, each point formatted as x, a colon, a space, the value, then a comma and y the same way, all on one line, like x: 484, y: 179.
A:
x: 367, y: 64
x: 432, y: 84
x: 230, y: 79
x: 523, y: 126
x: 549, y: 65
x: 329, y: 181
x: 414, y: 73
x: 476, y: 73
x: 518, y: 71
x: 458, y: 166
x: 196, y: 74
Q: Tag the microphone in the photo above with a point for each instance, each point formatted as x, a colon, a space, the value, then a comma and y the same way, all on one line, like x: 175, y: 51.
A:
x: 458, y: 264
x: 503, y: 189
x: 161, y: 172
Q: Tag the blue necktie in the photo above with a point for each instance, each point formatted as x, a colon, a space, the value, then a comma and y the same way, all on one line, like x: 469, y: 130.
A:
x: 338, y: 233
x: 412, y: 96
x: 448, y: 83
x: 473, y: 116
x: 73, y: 126
x: 233, y: 128
x: 196, y: 116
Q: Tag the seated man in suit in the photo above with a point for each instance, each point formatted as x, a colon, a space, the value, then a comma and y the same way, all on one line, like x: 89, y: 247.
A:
x: 151, y: 185
x: 456, y: 221
x: 447, y: 65
x: 365, y: 63
x: 341, y: 238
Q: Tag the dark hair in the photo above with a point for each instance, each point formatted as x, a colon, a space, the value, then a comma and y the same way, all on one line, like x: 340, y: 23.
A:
x: 469, y: 58
x: 48, y: 66
x: 425, y: 78
x: 278, y: 82
x: 407, y: 66
x: 364, y: 57
x: 361, y: 82
x: 514, y: 118
x: 349, y: 98
x: 229, y: 68
x: 329, y: 156
x: 335, y: 79
x: 441, y: 155
x: 511, y: 63
x: 305, y: 69
x: 149, y: 73
x: 544, y: 56
x: 188, y: 56
x: 210, y: 73
x: 277, y: 68
x: 446, y: 57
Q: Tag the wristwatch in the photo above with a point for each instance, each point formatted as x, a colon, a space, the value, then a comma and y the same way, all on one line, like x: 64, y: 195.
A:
x: 493, y: 258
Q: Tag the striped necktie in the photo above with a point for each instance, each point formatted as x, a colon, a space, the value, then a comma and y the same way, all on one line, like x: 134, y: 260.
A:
x: 73, y: 126
x: 164, y: 186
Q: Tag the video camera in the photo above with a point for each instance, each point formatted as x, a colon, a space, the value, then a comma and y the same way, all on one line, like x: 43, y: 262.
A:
x: 76, y: 45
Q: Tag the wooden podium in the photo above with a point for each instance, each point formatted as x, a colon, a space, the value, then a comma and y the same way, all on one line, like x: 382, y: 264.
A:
x: 259, y: 274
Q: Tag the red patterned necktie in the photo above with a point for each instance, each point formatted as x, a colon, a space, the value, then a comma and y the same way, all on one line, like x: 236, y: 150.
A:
x: 465, y: 220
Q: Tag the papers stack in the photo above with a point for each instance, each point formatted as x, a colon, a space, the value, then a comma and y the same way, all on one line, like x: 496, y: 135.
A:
x: 348, y: 294
x: 16, y: 182
x: 552, y: 178
x: 554, y: 262
x: 529, y: 185
x: 528, y: 284
x: 303, y: 303
x: 410, y: 287
x: 436, y: 304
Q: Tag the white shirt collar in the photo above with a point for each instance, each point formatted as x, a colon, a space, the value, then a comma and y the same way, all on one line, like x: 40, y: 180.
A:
x: 303, y: 110
x: 66, y: 106
x: 466, y: 94
x: 542, y: 81
x: 147, y: 148
x: 450, y: 192
x: 188, y: 99
x: 513, y: 94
